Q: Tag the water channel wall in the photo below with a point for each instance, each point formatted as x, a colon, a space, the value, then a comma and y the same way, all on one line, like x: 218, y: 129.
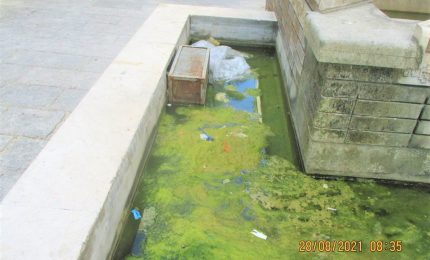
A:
x: 71, y: 201
x: 358, y: 84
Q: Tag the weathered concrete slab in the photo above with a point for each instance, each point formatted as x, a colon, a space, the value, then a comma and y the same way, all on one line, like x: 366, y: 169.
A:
x: 336, y: 105
x: 378, y: 138
x: 328, y: 135
x: 235, y: 31
x: 420, y: 141
x: 387, y: 109
x: 423, y: 128
x: 369, y: 161
x: 339, y: 88
x: 389, y: 92
x: 331, y: 120
x: 365, y: 36
x: 329, y: 5
x: 426, y: 113
x: 379, y: 124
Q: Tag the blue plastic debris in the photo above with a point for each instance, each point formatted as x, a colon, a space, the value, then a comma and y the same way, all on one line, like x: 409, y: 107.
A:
x: 136, y: 214
x: 206, y: 137
x: 244, y: 172
x: 263, y: 160
x: 137, y: 248
x: 238, y: 180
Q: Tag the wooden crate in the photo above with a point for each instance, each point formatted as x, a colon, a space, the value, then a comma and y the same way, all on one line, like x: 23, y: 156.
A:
x: 188, y: 77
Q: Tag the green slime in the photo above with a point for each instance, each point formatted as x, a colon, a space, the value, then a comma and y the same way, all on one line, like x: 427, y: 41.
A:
x: 209, y: 195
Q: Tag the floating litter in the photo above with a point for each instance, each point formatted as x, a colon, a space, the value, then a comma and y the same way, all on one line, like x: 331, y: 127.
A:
x: 136, y: 214
x: 169, y: 105
x: 258, y: 234
x: 325, y: 186
x: 332, y: 209
x: 206, y: 137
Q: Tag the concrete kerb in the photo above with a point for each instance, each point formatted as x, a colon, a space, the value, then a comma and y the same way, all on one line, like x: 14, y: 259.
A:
x: 69, y: 202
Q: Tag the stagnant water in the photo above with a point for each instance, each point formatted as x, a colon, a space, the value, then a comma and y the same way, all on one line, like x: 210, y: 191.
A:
x: 202, y: 199
x: 407, y: 15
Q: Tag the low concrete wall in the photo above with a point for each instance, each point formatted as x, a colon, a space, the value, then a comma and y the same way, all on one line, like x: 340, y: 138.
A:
x: 70, y: 201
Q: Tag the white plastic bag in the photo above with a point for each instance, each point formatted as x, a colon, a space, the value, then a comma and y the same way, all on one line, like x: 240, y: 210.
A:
x: 225, y: 63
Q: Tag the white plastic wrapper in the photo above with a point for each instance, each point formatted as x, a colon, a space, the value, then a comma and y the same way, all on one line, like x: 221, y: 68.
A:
x: 225, y: 63
x: 258, y: 234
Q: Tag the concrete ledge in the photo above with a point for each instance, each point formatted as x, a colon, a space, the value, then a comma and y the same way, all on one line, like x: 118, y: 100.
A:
x: 234, y: 31
x: 330, y: 5
x: 391, y: 163
x: 70, y: 201
x: 362, y: 35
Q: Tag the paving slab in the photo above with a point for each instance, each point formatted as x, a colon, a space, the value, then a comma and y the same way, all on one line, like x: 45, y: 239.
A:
x: 33, y: 123
x: 68, y: 100
x: 15, y: 158
x: 4, y: 140
x: 28, y: 96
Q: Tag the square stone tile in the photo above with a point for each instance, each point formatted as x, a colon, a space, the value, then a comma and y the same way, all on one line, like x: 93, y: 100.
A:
x: 4, y: 140
x: 20, y: 152
x: 9, y: 73
x: 59, y: 77
x: 8, y: 178
x: 33, y: 123
x: 28, y: 96
x: 69, y: 99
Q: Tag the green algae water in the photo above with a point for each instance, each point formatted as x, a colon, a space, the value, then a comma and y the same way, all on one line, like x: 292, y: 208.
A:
x: 202, y: 199
x: 407, y: 15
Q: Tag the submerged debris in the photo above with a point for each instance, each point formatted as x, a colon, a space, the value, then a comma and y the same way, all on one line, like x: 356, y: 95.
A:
x: 207, y: 200
x: 221, y: 97
x: 258, y: 234
x: 225, y: 63
x: 225, y: 181
x: 136, y: 214
x: 206, y: 137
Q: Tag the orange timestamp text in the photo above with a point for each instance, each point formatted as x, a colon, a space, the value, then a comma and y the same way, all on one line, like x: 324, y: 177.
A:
x: 349, y: 246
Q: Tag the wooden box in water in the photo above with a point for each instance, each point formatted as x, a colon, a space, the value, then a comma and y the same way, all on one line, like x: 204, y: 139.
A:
x: 188, y: 76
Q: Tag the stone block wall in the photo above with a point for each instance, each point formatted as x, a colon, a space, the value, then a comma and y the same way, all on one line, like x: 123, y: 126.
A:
x: 364, y: 105
x: 291, y: 20
x: 352, y: 120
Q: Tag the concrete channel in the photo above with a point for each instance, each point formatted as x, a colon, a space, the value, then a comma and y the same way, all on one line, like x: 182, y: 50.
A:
x: 74, y: 196
x: 83, y: 177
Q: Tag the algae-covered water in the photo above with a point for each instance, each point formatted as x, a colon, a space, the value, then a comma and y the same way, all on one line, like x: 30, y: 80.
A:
x: 201, y: 199
x: 407, y: 15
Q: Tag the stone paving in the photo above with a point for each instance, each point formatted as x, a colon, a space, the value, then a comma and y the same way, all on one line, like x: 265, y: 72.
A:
x: 51, y: 53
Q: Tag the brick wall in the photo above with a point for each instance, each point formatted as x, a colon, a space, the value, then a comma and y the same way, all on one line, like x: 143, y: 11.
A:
x: 291, y: 15
x: 351, y: 120
x: 364, y: 105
